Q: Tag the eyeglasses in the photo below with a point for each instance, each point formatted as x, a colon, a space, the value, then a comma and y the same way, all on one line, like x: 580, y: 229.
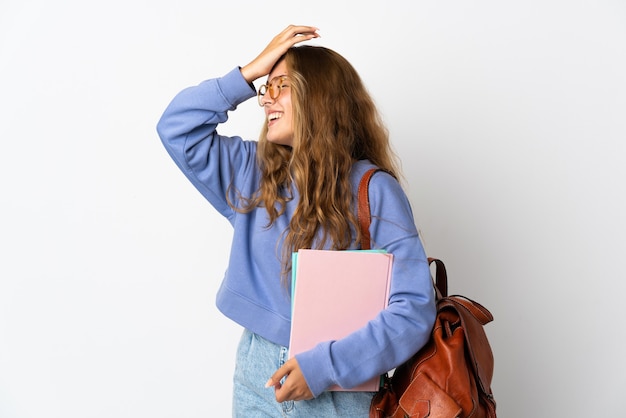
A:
x: 274, y: 88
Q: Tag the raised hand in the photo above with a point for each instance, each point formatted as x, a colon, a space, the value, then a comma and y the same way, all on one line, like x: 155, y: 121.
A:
x: 263, y: 63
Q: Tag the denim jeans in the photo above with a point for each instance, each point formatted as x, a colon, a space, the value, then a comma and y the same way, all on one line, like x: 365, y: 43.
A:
x: 257, y: 360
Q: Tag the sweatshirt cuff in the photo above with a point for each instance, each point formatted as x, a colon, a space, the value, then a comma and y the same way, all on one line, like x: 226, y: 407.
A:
x: 234, y: 88
x: 313, y: 372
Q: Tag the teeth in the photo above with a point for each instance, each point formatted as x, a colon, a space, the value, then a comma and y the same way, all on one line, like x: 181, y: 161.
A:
x: 273, y: 116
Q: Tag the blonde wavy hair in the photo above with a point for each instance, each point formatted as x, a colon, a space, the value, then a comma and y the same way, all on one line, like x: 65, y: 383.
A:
x: 335, y: 124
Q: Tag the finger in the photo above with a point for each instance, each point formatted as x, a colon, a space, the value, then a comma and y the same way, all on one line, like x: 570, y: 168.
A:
x: 295, y: 34
x: 293, y: 30
x: 278, y: 375
x: 294, y: 389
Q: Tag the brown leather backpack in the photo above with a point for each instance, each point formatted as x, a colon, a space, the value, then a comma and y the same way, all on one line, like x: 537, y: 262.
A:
x: 450, y: 377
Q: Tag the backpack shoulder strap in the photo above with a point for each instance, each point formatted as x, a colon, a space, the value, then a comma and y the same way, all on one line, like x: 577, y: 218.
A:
x: 363, y: 208
x: 365, y: 218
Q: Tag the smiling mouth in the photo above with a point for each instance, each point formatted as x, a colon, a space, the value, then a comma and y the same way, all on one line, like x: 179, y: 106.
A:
x: 274, y: 116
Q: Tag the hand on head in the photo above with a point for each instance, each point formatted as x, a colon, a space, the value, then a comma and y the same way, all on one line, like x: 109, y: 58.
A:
x: 263, y: 63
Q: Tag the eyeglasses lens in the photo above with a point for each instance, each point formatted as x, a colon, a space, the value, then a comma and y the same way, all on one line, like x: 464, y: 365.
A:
x: 273, y: 88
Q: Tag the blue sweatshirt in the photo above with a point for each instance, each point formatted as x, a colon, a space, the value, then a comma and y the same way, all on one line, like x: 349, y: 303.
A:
x: 251, y: 293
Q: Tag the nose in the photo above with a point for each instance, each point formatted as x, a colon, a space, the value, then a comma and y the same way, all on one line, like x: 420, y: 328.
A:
x: 265, y: 99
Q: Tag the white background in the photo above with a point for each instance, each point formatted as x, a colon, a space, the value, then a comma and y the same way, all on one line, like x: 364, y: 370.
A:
x: 509, y: 117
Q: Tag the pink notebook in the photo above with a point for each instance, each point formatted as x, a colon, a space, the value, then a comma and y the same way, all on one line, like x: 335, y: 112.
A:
x: 336, y: 293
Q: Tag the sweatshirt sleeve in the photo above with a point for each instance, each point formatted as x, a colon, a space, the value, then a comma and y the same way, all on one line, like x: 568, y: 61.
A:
x: 187, y: 129
x: 400, y: 330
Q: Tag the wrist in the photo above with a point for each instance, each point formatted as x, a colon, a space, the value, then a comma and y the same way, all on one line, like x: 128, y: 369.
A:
x: 249, y: 74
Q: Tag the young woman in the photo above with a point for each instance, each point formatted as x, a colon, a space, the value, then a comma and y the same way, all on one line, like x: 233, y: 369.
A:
x: 295, y: 188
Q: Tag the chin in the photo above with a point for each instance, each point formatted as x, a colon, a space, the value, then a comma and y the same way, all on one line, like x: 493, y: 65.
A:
x: 280, y: 141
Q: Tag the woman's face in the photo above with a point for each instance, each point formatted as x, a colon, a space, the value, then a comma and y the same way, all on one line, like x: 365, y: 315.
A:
x: 278, y: 111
